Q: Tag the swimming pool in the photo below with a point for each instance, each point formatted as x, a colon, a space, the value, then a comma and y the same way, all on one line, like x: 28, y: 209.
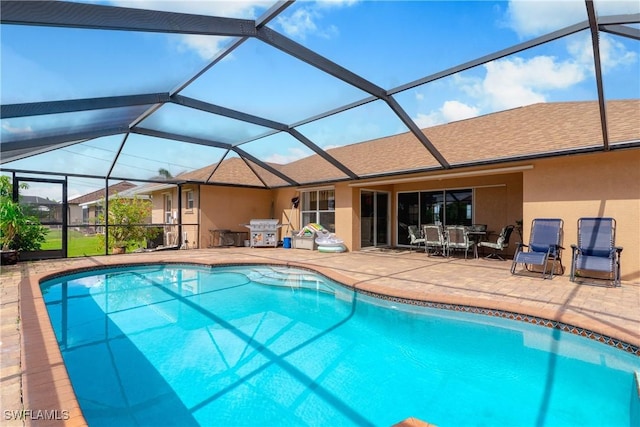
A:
x: 259, y: 345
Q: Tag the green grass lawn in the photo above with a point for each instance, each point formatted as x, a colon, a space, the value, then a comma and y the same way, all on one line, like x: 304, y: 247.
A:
x: 77, y: 243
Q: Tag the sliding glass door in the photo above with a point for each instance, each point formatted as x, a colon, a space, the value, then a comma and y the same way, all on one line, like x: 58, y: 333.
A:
x: 446, y: 207
x: 374, y: 219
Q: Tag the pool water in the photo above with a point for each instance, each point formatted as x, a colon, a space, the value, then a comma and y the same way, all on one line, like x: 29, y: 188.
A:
x: 266, y: 346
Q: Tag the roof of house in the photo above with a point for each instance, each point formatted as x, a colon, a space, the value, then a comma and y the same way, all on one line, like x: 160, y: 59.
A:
x: 99, y: 194
x: 37, y: 200
x: 532, y: 131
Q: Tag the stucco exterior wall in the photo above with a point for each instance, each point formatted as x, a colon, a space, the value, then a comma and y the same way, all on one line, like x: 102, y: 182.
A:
x: 284, y: 211
x: 601, y: 184
x: 345, y: 212
x: 227, y: 208
x: 191, y: 217
x: 497, y: 202
x: 157, y: 209
x: 591, y: 185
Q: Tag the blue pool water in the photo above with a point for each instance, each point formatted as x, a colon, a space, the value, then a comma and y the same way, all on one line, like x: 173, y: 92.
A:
x: 265, y: 346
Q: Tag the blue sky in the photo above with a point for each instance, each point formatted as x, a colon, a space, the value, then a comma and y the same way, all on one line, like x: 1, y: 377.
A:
x: 388, y: 43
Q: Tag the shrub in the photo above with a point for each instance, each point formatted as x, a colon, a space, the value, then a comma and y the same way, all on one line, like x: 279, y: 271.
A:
x: 18, y: 230
x: 127, y: 218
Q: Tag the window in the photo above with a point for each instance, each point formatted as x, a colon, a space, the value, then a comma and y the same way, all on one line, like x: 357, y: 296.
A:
x: 168, y: 214
x: 319, y: 206
x: 448, y: 207
x: 188, y: 200
x: 458, y: 207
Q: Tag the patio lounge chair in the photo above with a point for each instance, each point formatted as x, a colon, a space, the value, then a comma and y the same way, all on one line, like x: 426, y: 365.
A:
x: 500, y: 244
x: 544, y: 247
x: 415, y: 237
x: 458, y: 239
x: 434, y: 239
x: 596, y: 250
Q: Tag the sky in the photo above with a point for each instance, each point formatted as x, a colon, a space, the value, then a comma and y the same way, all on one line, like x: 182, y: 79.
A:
x: 388, y: 43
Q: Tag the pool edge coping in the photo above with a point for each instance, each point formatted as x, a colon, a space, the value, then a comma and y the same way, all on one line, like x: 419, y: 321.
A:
x: 38, y: 374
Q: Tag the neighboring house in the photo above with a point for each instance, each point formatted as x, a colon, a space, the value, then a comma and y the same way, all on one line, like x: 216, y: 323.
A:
x: 165, y: 202
x: 46, y: 210
x: 86, y: 209
x: 542, y: 160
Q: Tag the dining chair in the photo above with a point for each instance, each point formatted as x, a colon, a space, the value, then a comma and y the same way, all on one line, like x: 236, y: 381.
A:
x: 415, y: 236
x: 458, y: 239
x: 500, y: 244
x: 434, y: 239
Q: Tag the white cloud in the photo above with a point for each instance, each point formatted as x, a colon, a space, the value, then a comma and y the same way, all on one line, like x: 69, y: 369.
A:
x: 423, y: 120
x: 450, y: 111
x: 533, y: 18
x: 336, y: 3
x: 6, y: 126
x: 518, y: 81
x: 515, y: 82
x: 292, y: 155
x: 613, y: 53
x: 300, y: 23
x: 454, y: 111
x: 507, y: 83
x: 231, y: 9
x: 616, y: 7
x: 205, y: 46
x: 305, y: 20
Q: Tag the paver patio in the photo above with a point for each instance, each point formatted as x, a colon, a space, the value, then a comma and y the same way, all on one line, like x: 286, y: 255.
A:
x: 34, y: 377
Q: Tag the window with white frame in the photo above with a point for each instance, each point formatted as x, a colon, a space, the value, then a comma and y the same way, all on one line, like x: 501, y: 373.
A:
x: 319, y: 206
x: 168, y: 214
x: 188, y: 200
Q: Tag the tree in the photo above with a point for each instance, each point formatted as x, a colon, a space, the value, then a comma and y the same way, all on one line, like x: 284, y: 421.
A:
x: 18, y: 230
x: 127, y: 218
x: 164, y: 173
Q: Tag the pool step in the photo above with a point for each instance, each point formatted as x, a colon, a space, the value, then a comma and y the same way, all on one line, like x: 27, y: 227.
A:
x: 289, y: 279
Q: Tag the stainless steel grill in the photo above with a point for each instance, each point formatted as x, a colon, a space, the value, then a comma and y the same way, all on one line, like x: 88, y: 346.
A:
x: 263, y: 232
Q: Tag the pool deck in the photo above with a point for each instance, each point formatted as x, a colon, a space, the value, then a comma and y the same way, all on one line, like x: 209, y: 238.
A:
x: 34, y: 381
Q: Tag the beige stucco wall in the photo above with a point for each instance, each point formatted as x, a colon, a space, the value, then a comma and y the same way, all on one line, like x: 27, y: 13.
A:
x: 590, y: 185
x: 190, y: 217
x: 498, y: 202
x: 284, y: 211
x: 227, y: 208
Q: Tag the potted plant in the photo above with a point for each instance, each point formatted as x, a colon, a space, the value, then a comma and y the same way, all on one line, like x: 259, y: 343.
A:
x: 18, y: 230
x: 127, y: 219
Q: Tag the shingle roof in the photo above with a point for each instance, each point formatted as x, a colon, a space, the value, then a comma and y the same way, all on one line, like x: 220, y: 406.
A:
x: 537, y: 129
x: 530, y: 130
x: 37, y: 200
x: 99, y: 194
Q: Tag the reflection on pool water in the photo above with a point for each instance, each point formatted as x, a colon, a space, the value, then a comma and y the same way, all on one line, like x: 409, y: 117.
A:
x: 258, y: 345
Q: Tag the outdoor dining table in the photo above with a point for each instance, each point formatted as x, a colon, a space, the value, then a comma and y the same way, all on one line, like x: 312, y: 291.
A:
x: 477, y: 236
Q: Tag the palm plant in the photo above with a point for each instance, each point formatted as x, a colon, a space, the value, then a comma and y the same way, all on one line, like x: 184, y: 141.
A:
x: 18, y: 230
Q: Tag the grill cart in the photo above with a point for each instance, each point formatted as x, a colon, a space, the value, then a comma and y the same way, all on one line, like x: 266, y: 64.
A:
x: 263, y: 232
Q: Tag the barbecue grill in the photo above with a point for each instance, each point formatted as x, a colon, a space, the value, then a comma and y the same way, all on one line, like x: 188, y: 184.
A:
x: 263, y: 232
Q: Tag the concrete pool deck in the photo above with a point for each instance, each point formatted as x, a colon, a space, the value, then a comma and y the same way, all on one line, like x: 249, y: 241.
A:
x: 35, y: 388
